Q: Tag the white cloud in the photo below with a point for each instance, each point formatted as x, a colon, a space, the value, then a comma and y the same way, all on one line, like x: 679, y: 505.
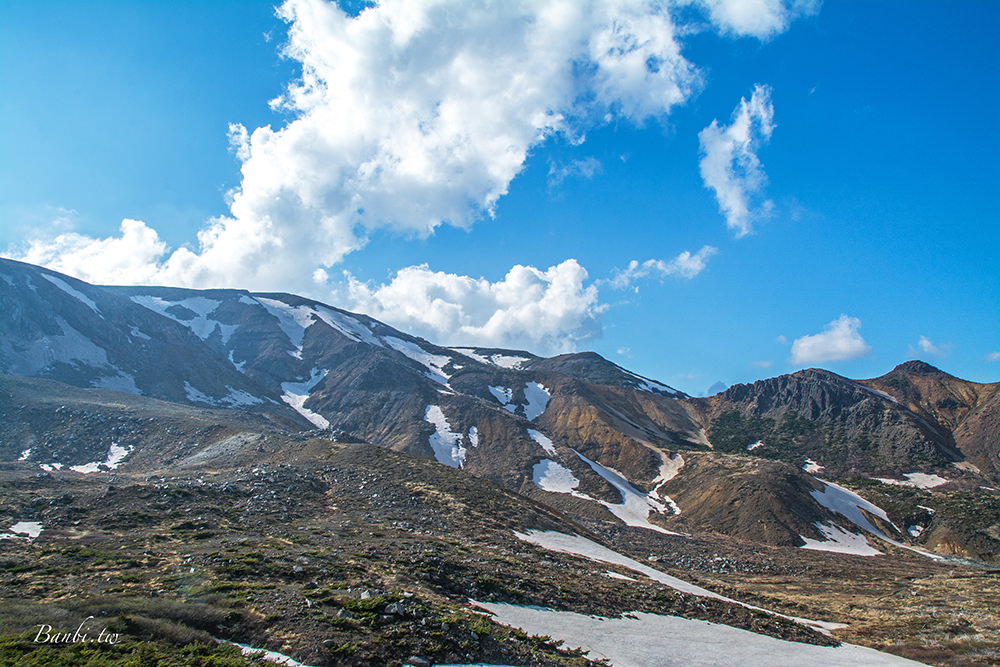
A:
x: 993, y: 356
x: 729, y: 163
x: 759, y: 18
x: 684, y: 265
x: 410, y: 115
x: 839, y: 341
x: 586, y: 168
x: 130, y: 258
x: 548, y: 312
x: 415, y: 114
x: 925, y: 346
x: 763, y: 364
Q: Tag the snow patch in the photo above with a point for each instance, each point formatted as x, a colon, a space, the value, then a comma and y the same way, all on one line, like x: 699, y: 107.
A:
x: 30, y: 529
x: 50, y: 467
x: 135, y: 332
x: 504, y: 395
x: 270, y: 656
x: 755, y: 445
x: 811, y: 466
x: 123, y: 382
x: 76, y: 294
x: 447, y: 444
x: 917, y: 480
x: 348, y: 326
x: 649, y: 386
x: 555, y: 478
x: 635, y: 506
x: 615, y: 575
x: 196, y: 396
x: 296, y: 394
x: 474, y: 436
x: 670, y: 467
x: 292, y: 320
x: 967, y: 467
x: 434, y: 363
x: 581, y: 546
x: 852, y: 507
x: 498, y: 359
x: 24, y: 455
x: 116, y: 455
x: 641, y: 639
x: 237, y: 398
x: 537, y: 397
x: 201, y: 324
x: 915, y: 531
x: 840, y: 541
x: 543, y: 441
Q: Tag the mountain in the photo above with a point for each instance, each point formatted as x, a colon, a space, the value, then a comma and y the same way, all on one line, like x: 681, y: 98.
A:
x: 105, y: 388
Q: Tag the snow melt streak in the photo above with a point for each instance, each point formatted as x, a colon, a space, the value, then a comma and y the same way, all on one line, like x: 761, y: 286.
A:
x: 447, y: 444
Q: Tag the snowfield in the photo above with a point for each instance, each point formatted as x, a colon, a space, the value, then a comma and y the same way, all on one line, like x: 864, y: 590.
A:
x: 447, y: 444
x: 652, y: 640
x: 919, y: 480
x: 840, y: 541
x: 297, y: 393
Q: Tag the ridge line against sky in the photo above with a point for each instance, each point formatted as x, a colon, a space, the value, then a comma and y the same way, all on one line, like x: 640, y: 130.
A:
x: 557, y: 176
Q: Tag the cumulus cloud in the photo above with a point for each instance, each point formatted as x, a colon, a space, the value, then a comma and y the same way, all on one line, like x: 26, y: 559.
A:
x: 925, y: 346
x: 729, y: 163
x: 684, y: 265
x: 411, y: 115
x: 129, y: 258
x: 547, y: 311
x: 759, y: 18
x: 839, y: 341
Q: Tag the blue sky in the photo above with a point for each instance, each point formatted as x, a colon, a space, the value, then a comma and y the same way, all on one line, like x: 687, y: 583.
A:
x: 430, y: 154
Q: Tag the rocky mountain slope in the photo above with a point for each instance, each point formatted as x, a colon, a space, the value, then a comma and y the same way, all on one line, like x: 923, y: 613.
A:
x: 128, y: 385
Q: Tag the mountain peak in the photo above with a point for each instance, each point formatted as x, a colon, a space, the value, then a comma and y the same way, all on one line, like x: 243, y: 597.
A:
x: 917, y: 367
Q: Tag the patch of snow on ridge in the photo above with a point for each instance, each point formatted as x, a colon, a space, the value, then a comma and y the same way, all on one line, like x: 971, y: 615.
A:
x: 447, y: 444
x: 635, y: 506
x: 347, y: 325
x: 474, y: 436
x: 24, y: 455
x: 76, y: 294
x: 196, y: 396
x: 434, y: 363
x: 640, y: 639
x: 237, y: 398
x: 121, y: 381
x: 30, y: 529
x: 649, y: 386
x: 551, y: 476
x: 201, y: 324
x: 504, y: 395
x: 811, y: 466
x: 670, y: 467
x: 270, y: 656
x: 116, y: 454
x: 543, y: 441
x: 50, y: 467
x: 852, y: 507
x: 508, y: 361
x: 877, y: 392
x: 537, y: 397
x: 292, y: 320
x: 917, y: 480
x: 839, y: 541
x: 296, y: 394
